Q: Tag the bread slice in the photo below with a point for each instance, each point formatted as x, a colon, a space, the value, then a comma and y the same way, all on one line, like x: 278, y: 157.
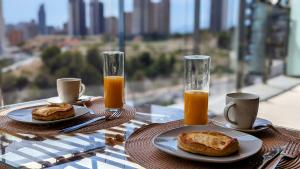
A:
x: 210, y: 143
x: 53, y: 112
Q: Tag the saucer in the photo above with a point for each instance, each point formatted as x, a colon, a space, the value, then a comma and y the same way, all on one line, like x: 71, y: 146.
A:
x: 258, y: 122
x: 57, y: 100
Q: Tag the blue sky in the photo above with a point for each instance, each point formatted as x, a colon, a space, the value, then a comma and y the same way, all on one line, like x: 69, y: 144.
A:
x: 57, y: 12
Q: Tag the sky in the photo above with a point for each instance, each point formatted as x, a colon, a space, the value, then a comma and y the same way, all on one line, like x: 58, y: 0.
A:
x: 181, y: 14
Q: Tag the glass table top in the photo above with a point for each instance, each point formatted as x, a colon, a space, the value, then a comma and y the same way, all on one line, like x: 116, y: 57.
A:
x: 79, y: 150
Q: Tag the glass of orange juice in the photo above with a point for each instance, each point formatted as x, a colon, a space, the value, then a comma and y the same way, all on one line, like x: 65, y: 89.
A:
x: 113, y: 80
x: 196, y: 88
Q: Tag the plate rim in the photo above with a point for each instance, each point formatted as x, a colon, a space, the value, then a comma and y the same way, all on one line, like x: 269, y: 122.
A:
x: 206, y: 160
x: 40, y: 122
x: 48, y: 100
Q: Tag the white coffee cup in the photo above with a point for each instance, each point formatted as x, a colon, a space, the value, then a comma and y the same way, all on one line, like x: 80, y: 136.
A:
x: 241, y: 109
x: 69, y: 89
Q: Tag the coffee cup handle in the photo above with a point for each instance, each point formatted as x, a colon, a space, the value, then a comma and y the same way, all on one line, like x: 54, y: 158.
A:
x: 226, y: 111
x: 82, y: 89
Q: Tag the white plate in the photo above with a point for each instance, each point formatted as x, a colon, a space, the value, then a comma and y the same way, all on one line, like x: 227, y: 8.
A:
x: 167, y: 142
x: 25, y: 116
x: 57, y: 100
x: 257, y: 122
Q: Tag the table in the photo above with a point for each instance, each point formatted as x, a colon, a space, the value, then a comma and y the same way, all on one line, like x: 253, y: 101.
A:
x: 79, y: 150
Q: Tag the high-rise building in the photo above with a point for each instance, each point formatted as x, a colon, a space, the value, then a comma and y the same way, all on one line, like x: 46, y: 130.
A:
x: 219, y: 15
x: 42, y: 20
x: 164, y: 27
x: 154, y: 17
x: 1, y: 29
x: 151, y: 17
x: 111, y: 25
x: 160, y: 17
x: 96, y: 17
x: 141, y: 17
x: 65, y: 28
x: 82, y: 18
x: 76, y: 22
x: 128, y: 24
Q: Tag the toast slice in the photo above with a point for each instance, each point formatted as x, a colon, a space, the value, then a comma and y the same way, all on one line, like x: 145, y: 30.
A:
x: 210, y: 143
x: 53, y: 112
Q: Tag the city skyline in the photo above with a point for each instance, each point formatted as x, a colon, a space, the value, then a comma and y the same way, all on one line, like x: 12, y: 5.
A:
x: 183, y: 22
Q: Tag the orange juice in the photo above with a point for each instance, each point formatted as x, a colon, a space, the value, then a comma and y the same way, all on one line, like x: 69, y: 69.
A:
x: 114, y: 91
x: 195, y: 107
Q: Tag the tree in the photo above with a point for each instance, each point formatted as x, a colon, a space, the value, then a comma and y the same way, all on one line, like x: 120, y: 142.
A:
x: 90, y: 75
x: 145, y: 59
x: 77, y: 64
x: 9, y: 82
x: 172, y: 61
x: 93, y: 58
x: 68, y: 64
x: 44, y: 80
x: 22, y: 82
x: 224, y: 40
x: 48, y: 54
x: 162, y: 65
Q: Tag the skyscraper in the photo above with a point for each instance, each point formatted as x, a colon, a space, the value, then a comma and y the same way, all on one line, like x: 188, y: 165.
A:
x: 164, y: 26
x: 151, y: 17
x: 96, y: 17
x: 141, y: 17
x: 111, y: 25
x: 42, y: 20
x: 219, y: 14
x: 1, y: 29
x: 76, y: 22
x: 160, y: 17
x: 128, y: 24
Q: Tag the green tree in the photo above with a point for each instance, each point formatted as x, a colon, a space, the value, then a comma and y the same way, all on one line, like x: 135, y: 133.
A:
x: 172, y: 62
x: 90, y: 75
x: 9, y: 82
x: 224, y: 40
x: 44, y: 80
x: 77, y: 65
x: 94, y: 59
x: 48, y: 54
x: 162, y: 65
x: 145, y: 59
x: 22, y: 82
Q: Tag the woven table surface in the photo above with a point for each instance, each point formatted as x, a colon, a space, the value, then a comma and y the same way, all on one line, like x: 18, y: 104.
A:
x: 10, y: 126
x: 139, y: 146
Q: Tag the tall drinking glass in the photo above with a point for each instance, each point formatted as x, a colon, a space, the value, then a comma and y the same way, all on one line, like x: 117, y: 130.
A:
x: 196, y: 90
x: 113, y: 80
